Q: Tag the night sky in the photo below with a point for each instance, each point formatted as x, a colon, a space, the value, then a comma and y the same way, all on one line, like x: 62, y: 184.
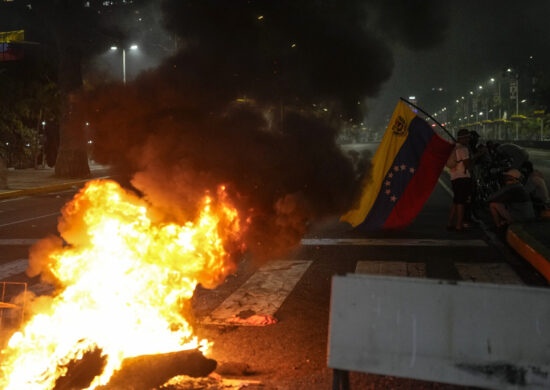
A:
x: 482, y: 38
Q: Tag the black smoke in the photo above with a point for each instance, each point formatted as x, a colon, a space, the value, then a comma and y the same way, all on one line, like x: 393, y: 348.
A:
x: 252, y: 101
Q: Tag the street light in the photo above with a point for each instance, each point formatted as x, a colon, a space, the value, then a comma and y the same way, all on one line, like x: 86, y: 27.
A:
x: 133, y: 48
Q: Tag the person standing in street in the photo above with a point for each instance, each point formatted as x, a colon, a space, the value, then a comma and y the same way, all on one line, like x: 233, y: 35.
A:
x: 459, y: 170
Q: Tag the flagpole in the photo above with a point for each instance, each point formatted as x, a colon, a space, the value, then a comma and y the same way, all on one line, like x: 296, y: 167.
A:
x: 431, y: 117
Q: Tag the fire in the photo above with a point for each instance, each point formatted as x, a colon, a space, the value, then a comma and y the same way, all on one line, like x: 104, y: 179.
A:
x: 123, y: 280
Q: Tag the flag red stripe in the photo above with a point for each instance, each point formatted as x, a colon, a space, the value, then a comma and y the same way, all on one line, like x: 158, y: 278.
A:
x: 422, y: 183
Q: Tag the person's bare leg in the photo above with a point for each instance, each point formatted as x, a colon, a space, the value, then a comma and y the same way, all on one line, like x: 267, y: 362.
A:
x: 506, y: 217
x: 452, y: 214
x: 500, y: 215
x: 459, y: 216
x: 494, y: 213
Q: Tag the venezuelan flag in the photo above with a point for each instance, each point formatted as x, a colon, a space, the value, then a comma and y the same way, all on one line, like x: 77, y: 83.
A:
x: 8, y: 51
x: 405, y: 169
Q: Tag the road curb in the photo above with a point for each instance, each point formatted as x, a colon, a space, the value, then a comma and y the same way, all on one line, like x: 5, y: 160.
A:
x: 530, y: 249
x: 46, y: 189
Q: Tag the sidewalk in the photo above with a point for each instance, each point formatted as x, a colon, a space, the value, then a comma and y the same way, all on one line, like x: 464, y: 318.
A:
x: 530, y: 240
x: 33, y: 181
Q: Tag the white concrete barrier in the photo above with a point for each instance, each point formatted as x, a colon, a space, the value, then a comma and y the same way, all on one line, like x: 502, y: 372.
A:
x: 472, y: 334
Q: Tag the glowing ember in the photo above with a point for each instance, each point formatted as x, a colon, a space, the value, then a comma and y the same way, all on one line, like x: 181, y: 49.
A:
x: 123, y: 282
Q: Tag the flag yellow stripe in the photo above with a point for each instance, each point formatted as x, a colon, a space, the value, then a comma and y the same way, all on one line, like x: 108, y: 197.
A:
x: 381, y: 163
x: 12, y: 36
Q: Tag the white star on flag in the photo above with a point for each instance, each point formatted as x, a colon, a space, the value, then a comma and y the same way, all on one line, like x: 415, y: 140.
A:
x: 411, y: 170
x: 388, y: 182
x: 396, y: 168
x: 390, y: 175
x: 393, y: 198
x: 403, y: 166
x: 388, y: 192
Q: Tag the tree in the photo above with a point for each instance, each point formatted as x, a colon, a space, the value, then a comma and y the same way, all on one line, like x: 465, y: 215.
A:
x: 69, y: 32
x: 28, y: 96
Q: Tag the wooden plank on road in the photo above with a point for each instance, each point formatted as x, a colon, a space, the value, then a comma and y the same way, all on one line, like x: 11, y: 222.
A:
x: 483, y: 335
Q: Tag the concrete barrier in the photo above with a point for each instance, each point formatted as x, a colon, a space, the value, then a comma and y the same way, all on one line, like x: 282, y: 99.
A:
x: 473, y: 334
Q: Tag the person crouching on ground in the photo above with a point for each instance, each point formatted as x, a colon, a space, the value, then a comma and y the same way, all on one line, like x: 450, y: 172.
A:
x: 511, y: 203
x: 535, y: 186
x: 461, y: 181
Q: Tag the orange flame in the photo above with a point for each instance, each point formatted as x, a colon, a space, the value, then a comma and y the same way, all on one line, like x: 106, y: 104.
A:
x: 123, y: 279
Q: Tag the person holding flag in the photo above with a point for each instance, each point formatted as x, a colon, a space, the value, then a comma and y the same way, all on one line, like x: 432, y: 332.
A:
x: 461, y: 181
x: 405, y: 169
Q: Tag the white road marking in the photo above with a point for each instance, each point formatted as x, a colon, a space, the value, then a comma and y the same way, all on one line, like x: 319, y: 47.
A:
x: 392, y: 242
x: 499, y: 273
x: 18, y: 241
x: 19, y: 266
x: 262, y: 294
x: 13, y: 199
x: 13, y: 268
x: 29, y: 219
x: 445, y: 187
x: 391, y: 268
x: 41, y: 288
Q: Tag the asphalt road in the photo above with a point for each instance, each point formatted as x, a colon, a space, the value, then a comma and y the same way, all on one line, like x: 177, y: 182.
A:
x: 291, y: 354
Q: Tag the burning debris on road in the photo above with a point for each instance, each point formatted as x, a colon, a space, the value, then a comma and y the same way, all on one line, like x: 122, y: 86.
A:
x: 124, y: 277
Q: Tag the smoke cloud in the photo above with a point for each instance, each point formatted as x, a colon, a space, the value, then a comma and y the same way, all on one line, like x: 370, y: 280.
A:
x: 241, y: 105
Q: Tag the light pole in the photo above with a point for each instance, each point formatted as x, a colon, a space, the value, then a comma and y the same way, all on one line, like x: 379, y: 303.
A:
x: 499, y: 102
x: 115, y: 48
x: 517, y: 105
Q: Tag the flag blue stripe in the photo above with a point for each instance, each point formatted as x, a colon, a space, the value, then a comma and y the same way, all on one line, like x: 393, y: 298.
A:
x: 409, y: 155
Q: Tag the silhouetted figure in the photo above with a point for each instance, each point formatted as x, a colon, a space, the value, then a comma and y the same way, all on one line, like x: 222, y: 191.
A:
x: 461, y: 181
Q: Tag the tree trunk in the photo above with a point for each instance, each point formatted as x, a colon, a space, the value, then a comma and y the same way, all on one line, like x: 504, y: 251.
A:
x: 72, y: 156
x: 71, y: 163
x: 3, y: 174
